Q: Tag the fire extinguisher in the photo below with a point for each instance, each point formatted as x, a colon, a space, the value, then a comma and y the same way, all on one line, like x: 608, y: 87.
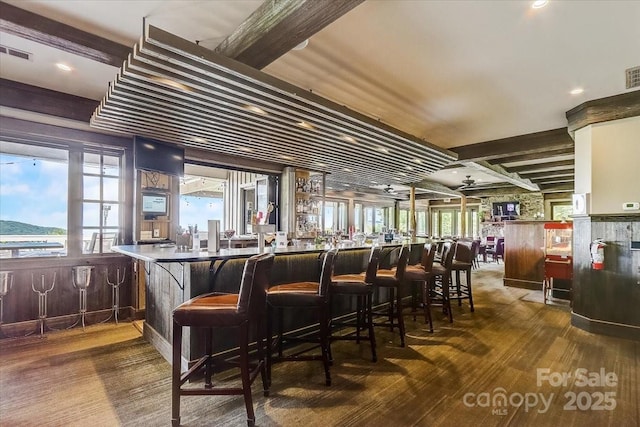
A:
x: 597, y: 254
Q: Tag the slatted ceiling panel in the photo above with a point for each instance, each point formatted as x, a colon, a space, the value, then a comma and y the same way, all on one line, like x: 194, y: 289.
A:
x: 204, y: 105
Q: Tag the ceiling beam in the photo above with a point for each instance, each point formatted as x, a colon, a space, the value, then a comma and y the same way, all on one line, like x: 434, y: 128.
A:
x: 534, y: 156
x: 562, y: 164
x: 31, y: 98
x: 603, y: 110
x: 491, y: 192
x: 277, y: 26
x: 500, y: 172
x: 557, y: 188
x: 548, y: 174
x: 533, y: 143
x: 61, y: 36
x: 434, y: 187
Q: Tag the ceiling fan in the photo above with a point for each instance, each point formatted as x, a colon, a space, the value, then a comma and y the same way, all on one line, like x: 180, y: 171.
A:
x: 466, y: 183
x: 389, y: 190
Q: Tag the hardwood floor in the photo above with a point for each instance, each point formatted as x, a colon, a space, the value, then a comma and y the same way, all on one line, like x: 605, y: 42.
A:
x: 109, y: 376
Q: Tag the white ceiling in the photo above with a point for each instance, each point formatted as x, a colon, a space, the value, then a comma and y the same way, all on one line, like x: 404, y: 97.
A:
x: 451, y: 72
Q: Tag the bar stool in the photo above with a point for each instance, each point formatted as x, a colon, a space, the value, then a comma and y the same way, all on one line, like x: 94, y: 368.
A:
x: 392, y: 280
x: 214, y: 310
x: 361, y: 287
x: 440, y: 281
x: 462, y: 261
x: 422, y: 274
x: 310, y: 295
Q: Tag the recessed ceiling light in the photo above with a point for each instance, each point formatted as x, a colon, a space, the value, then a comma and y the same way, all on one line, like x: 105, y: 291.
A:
x: 374, y: 182
x: 63, y: 67
x: 347, y: 185
x: 538, y: 4
x: 347, y: 170
x: 255, y: 109
x: 349, y: 138
x: 245, y: 149
x: 454, y: 171
x: 382, y: 150
x: 305, y: 125
x: 198, y: 139
x: 321, y: 164
x: 171, y: 83
x: 301, y: 45
x: 417, y: 161
x: 577, y: 91
x: 402, y: 174
x: 397, y: 179
x: 285, y: 157
x: 409, y: 167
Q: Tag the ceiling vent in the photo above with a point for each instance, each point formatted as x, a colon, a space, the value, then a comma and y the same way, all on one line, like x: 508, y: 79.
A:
x: 633, y: 77
x: 16, y: 52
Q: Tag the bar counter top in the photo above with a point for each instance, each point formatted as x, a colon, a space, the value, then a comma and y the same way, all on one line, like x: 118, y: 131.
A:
x: 171, y: 253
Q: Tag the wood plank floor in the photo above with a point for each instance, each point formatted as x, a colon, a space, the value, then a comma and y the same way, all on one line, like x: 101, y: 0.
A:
x: 109, y: 376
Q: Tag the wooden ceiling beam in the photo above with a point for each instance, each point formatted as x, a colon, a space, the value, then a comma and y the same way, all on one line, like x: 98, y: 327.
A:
x: 437, y: 188
x: 31, y: 98
x: 277, y: 26
x: 603, y: 110
x: 557, y: 188
x: 534, y: 156
x: 534, y: 143
x: 61, y: 36
x: 548, y: 174
x: 562, y: 164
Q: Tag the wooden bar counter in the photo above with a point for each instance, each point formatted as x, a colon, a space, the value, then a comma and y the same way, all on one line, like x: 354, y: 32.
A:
x: 174, y: 276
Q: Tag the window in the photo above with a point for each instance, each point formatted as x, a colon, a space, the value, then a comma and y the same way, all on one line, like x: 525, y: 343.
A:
x: 357, y: 212
x: 403, y: 221
x: 421, y: 223
x: 59, y: 200
x: 33, y: 200
x: 561, y: 211
x: 202, y: 199
x: 101, y: 202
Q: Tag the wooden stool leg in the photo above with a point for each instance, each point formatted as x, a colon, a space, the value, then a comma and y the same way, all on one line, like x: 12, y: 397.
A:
x: 372, y: 336
x: 399, y: 315
x: 245, y: 373
x: 324, y: 344
x: 426, y: 303
x: 468, y: 273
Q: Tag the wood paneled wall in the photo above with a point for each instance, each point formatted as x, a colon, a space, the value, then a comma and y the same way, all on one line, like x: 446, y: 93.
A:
x: 21, y: 308
x: 607, y: 301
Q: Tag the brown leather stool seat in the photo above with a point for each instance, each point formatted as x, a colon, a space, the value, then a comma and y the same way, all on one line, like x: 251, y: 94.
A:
x: 359, y: 286
x: 242, y: 311
x: 313, y: 295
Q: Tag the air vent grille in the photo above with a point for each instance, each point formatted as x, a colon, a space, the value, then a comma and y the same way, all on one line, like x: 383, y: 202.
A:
x: 16, y: 52
x: 633, y: 77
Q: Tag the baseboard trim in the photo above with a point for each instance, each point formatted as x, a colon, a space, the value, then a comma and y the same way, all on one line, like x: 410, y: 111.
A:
x: 603, y: 327
x: 523, y: 284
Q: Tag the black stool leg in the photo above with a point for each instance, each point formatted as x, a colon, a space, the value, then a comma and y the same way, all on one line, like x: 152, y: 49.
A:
x: 269, y: 346
x: 176, y: 372
x: 325, y: 344
x: 260, y: 336
x: 372, y: 336
x: 469, y: 290
x: 208, y: 368
x: 399, y: 315
x: 426, y: 302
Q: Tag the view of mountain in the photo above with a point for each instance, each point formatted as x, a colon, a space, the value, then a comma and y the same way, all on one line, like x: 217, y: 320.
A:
x: 20, y: 228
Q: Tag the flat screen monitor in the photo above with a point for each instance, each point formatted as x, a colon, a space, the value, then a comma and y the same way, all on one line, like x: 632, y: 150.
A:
x: 157, y: 156
x: 154, y: 205
x: 506, y: 210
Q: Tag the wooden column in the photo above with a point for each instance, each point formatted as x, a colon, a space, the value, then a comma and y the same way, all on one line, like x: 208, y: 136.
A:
x: 412, y: 211
x: 463, y: 216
